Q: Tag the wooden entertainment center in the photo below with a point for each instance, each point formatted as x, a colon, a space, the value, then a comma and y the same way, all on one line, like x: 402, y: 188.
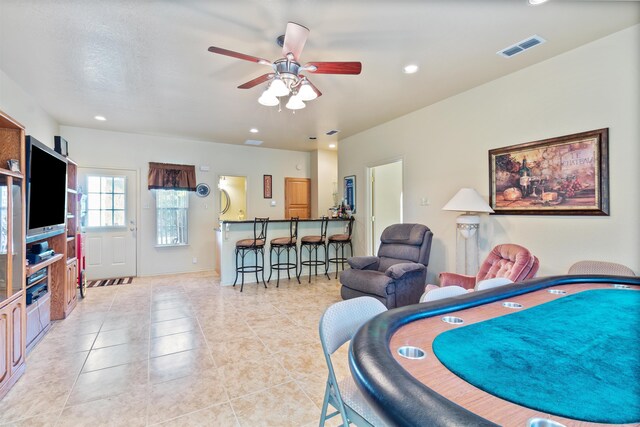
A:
x: 17, y: 320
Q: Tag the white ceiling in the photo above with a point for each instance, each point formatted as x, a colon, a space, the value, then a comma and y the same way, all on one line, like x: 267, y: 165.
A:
x: 145, y: 66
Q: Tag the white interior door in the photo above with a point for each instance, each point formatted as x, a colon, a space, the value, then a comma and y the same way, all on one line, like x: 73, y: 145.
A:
x: 386, y: 199
x: 109, y: 222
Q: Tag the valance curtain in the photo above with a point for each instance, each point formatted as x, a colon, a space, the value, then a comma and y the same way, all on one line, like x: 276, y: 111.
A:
x: 172, y: 177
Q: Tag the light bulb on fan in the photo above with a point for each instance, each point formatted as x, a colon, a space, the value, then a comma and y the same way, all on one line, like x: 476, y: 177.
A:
x: 278, y: 88
x: 306, y: 92
x: 268, y: 99
x: 295, y: 103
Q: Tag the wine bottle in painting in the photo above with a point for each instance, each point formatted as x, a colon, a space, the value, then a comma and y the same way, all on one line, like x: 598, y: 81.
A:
x: 525, y: 178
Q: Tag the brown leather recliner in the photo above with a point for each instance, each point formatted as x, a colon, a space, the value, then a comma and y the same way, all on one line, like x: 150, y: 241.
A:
x: 508, y: 260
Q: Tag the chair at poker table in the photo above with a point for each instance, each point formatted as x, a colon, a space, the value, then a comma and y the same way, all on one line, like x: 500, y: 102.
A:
x: 510, y: 261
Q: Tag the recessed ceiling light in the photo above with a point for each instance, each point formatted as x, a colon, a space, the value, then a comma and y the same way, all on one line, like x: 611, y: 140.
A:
x: 410, y: 69
x: 536, y: 2
x: 332, y: 145
x: 253, y: 130
x: 101, y: 118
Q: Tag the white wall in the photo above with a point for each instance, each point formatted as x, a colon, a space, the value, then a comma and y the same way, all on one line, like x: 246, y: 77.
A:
x: 327, y: 176
x: 324, y: 176
x: 104, y: 149
x: 22, y: 107
x: 445, y: 147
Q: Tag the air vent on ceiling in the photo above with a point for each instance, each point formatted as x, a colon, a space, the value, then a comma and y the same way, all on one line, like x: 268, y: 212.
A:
x: 253, y: 142
x: 521, y: 46
x: 332, y: 132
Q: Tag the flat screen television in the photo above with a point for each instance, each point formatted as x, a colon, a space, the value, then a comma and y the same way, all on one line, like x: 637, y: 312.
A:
x: 46, y: 190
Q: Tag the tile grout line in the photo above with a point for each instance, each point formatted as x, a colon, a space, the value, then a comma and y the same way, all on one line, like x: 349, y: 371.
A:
x: 82, y: 367
x: 149, y: 387
x: 215, y: 364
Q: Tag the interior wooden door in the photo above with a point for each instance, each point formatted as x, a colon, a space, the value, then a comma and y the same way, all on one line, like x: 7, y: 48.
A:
x: 297, y: 197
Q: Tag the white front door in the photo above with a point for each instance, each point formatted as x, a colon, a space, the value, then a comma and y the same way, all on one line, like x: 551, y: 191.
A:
x: 386, y: 199
x: 109, y: 222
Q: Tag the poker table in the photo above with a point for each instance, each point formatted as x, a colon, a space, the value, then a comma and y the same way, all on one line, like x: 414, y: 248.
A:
x: 562, y: 349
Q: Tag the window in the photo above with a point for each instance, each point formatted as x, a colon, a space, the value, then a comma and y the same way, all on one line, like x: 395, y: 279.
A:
x: 106, y: 201
x: 172, y: 225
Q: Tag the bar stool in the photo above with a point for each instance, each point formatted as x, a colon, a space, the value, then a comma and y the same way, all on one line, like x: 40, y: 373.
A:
x: 313, y: 243
x: 282, y: 244
x: 255, y: 245
x: 339, y: 241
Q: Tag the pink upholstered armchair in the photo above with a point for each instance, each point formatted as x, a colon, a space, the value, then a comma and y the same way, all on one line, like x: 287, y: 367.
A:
x: 508, y: 260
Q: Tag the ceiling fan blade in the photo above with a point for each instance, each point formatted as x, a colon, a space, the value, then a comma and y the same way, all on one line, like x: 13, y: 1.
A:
x: 294, y: 39
x: 255, y: 82
x: 233, y: 54
x: 333, y: 67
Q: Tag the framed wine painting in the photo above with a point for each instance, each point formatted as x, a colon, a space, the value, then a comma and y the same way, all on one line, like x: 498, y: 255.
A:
x: 567, y: 175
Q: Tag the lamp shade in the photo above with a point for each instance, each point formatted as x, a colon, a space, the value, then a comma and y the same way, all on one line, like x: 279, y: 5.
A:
x: 467, y: 200
x: 306, y: 92
x: 295, y: 103
x: 278, y: 88
x: 268, y: 99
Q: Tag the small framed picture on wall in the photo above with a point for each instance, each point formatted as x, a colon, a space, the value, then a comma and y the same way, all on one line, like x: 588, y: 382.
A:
x: 267, y: 186
x: 350, y: 192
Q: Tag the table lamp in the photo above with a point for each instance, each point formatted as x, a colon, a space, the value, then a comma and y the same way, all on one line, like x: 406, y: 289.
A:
x: 469, y: 201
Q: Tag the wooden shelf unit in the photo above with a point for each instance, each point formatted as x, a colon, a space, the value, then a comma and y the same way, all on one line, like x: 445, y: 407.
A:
x: 32, y: 268
x: 63, y: 277
x: 12, y: 255
x: 73, y: 215
x: 63, y: 265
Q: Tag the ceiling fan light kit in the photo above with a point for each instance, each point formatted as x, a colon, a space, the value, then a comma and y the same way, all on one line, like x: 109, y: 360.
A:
x: 268, y: 99
x: 295, y: 103
x: 286, y: 79
x: 306, y: 92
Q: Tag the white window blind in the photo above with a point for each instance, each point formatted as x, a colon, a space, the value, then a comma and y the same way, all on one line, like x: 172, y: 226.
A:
x: 172, y: 217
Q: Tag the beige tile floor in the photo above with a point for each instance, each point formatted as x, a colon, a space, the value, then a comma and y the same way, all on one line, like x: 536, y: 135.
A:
x: 181, y: 351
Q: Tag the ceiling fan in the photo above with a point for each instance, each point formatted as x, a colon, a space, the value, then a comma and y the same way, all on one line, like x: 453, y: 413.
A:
x: 286, y: 79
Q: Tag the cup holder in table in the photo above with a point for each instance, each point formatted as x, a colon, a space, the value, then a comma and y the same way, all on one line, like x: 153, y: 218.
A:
x: 411, y: 352
x: 510, y: 304
x: 453, y: 320
x: 543, y: 422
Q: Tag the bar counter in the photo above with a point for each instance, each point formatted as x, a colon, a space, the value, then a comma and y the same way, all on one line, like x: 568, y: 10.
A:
x: 229, y: 232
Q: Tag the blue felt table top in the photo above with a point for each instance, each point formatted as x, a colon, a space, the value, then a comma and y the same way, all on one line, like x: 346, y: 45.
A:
x: 576, y: 357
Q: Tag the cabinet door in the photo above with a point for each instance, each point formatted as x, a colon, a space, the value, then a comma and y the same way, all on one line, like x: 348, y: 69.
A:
x: 72, y: 277
x: 17, y: 246
x: 17, y: 332
x: 73, y: 281
x: 67, y: 295
x: 4, y: 346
